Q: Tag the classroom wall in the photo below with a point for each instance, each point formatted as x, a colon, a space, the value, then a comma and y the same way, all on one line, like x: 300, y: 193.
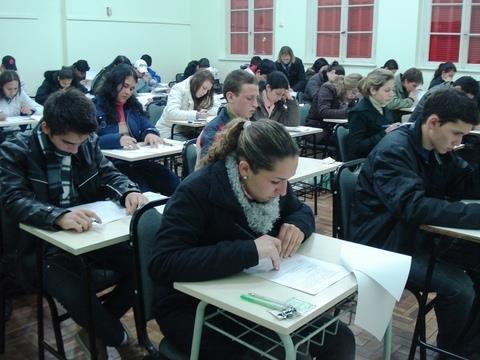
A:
x: 44, y: 35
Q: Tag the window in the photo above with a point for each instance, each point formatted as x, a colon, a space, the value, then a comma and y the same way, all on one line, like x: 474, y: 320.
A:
x: 453, y: 32
x: 251, y: 27
x: 344, y: 29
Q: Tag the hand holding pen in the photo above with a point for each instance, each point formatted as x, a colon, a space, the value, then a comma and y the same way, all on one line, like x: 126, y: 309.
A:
x: 79, y: 220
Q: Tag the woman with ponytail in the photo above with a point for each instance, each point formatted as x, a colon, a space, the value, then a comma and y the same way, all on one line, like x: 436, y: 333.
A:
x: 236, y: 210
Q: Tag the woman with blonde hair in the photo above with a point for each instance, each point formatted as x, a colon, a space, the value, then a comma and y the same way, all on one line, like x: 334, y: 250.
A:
x: 334, y: 100
x: 369, y: 121
x: 292, y: 67
x: 236, y: 210
x: 190, y: 100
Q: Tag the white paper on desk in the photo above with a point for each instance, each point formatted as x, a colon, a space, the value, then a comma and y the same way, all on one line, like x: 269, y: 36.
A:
x: 107, y: 210
x: 301, y: 272
x: 381, y: 277
x: 296, y: 128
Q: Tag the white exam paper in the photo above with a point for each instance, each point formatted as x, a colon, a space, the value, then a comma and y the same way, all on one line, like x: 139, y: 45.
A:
x: 381, y: 277
x: 301, y: 272
x: 107, y: 210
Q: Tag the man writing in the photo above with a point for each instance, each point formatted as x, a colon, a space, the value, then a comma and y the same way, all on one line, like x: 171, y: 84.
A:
x: 57, y: 166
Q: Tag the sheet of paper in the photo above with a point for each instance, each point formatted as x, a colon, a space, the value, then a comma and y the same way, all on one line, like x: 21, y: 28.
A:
x: 301, y: 272
x: 381, y: 277
x: 107, y: 210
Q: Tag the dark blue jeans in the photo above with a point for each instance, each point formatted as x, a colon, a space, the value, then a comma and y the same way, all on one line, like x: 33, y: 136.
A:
x: 64, y: 280
x: 454, y: 279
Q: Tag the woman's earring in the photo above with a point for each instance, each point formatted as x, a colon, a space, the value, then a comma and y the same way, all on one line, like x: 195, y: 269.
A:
x: 245, y: 177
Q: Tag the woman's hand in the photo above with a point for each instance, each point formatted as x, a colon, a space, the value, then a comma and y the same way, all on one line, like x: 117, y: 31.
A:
x: 128, y: 142
x: 25, y: 109
x: 269, y: 247
x: 202, y: 114
x: 153, y: 140
x: 291, y: 237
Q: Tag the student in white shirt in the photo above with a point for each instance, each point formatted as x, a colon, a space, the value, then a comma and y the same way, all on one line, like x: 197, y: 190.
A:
x: 190, y: 100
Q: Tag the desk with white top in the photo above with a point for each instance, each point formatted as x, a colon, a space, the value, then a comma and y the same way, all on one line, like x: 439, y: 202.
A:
x: 336, y: 121
x: 309, y: 168
x: 98, y: 237
x: 20, y: 120
x: 197, y: 124
x: 465, y: 234
x: 298, y: 131
x: 146, y: 152
x: 225, y: 295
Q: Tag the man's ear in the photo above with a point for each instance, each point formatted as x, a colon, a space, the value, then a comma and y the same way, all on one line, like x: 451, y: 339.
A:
x: 229, y: 96
x: 433, y: 121
x: 45, y: 128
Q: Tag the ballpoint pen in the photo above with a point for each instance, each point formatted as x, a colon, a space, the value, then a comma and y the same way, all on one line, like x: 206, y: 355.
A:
x: 285, y: 311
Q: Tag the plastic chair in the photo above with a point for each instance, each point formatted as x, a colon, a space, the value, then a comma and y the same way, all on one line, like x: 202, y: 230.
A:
x: 189, y: 157
x: 143, y: 229
x: 345, y: 180
x: 341, y: 138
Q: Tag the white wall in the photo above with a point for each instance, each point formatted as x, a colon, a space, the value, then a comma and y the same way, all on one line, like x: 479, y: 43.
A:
x: 44, y: 35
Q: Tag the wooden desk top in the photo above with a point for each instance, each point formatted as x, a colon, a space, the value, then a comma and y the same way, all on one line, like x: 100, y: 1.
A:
x: 145, y: 152
x: 225, y: 293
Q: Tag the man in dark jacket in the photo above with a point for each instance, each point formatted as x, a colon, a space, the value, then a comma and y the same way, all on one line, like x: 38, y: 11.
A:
x: 57, y: 166
x: 412, y: 177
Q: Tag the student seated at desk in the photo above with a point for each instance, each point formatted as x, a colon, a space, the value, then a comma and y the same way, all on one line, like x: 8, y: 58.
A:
x: 405, y: 91
x: 57, y: 166
x: 335, y: 99
x: 370, y: 120
x: 467, y: 84
x: 275, y: 101
x: 413, y: 177
x: 155, y: 78
x: 189, y: 100
x: 444, y: 73
x: 391, y: 65
x: 143, y: 78
x: 13, y: 100
x: 330, y: 73
x: 292, y: 67
x: 122, y: 123
x: 224, y: 218
x: 265, y: 67
x: 56, y: 80
x: 240, y: 89
x: 99, y: 79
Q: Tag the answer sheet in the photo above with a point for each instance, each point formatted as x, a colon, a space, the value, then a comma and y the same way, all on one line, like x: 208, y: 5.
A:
x: 301, y: 272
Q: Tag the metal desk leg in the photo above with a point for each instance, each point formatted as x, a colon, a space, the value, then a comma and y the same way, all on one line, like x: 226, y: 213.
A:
x: 290, y: 353
x: 387, y: 342
x: 171, y: 134
x: 90, y: 320
x: 197, y: 330
x: 41, y: 349
x: 315, y: 194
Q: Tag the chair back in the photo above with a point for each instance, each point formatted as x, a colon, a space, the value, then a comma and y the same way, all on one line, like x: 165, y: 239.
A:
x: 341, y: 138
x: 189, y: 157
x: 343, y: 189
x: 304, y: 110
x: 144, y: 226
x: 155, y: 112
x: 179, y: 77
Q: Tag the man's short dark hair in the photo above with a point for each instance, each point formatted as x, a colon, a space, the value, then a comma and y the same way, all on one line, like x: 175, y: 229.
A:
x: 468, y: 85
x: 69, y: 111
x: 147, y: 58
x: 413, y: 75
x: 266, y: 66
x: 451, y: 105
x: 235, y: 80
